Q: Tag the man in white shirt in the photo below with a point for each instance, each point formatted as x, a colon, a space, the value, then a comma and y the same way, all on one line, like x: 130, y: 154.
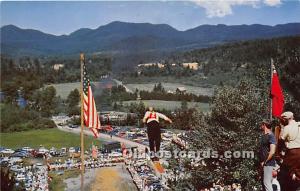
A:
x: 290, y: 133
x: 151, y: 119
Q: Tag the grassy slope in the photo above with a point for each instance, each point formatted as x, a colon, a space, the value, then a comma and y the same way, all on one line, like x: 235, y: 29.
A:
x: 210, y: 80
x: 48, y: 138
x: 172, y: 87
x: 172, y: 105
x: 64, y: 89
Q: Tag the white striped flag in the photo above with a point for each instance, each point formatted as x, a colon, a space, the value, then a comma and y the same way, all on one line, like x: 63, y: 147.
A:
x: 91, y: 118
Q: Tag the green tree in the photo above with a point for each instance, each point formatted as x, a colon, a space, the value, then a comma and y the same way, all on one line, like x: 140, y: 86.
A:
x: 14, y: 119
x: 72, y: 103
x: 139, y: 109
x: 233, y: 125
x: 159, y: 88
x: 184, y: 105
x: 45, y: 101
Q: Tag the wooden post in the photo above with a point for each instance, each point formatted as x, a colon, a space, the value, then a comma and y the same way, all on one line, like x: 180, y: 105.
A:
x: 271, y: 105
x: 82, y: 124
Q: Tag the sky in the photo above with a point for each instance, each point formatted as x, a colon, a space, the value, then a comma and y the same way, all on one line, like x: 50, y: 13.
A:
x: 59, y: 17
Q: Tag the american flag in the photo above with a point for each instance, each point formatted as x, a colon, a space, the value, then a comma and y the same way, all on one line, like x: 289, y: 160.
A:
x: 91, y: 118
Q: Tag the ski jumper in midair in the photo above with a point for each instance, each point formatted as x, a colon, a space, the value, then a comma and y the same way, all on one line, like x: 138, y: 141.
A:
x: 151, y: 119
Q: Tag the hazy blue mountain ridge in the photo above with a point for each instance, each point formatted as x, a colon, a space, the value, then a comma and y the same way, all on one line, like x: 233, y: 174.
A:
x: 134, y: 37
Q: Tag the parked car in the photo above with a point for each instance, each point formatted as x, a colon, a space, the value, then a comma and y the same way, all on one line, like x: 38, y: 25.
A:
x: 7, y: 151
x: 73, y: 126
x: 15, y: 160
x: 72, y: 150
x: 43, y: 150
x: 54, y: 152
x: 28, y: 149
x: 15, y: 168
x: 115, y: 154
x: 77, y: 149
x: 20, y: 177
x: 23, y: 154
x: 63, y: 151
x: 18, y: 150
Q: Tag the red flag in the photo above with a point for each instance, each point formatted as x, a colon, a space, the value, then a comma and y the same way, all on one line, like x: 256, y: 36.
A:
x: 276, y: 95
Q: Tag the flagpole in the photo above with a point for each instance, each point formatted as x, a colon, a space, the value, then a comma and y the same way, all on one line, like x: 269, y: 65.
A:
x: 271, y: 105
x: 82, y: 123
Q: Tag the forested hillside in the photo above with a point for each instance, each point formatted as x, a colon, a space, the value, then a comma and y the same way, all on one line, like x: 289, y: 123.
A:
x: 252, y: 58
x: 230, y: 63
x: 28, y: 77
x: 31, y: 73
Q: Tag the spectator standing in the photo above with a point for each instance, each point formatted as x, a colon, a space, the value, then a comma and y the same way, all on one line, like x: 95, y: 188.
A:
x: 290, y: 168
x: 266, y: 155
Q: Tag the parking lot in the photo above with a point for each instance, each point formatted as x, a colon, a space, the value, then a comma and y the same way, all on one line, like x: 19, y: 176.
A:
x: 29, y: 176
x: 31, y: 166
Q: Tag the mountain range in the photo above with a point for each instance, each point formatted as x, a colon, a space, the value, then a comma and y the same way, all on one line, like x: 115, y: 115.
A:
x: 132, y: 38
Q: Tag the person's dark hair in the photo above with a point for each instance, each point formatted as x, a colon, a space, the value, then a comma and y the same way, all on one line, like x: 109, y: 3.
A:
x: 267, y: 124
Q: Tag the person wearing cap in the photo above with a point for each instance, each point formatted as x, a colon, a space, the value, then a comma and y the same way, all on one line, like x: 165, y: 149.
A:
x: 151, y: 119
x: 266, y: 154
x: 290, y: 133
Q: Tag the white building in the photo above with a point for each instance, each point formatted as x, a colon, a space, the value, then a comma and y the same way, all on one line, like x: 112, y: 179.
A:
x: 191, y: 65
x: 159, y: 65
x: 57, y: 66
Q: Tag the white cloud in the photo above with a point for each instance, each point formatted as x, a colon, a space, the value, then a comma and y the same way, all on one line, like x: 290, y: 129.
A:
x: 272, y: 2
x: 221, y: 8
